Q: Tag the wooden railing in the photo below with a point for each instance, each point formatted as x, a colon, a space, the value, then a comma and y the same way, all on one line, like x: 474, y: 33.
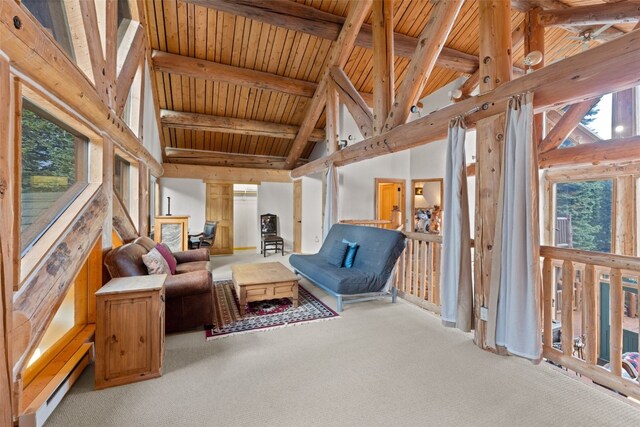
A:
x: 580, y: 274
x: 418, y: 270
x: 378, y: 223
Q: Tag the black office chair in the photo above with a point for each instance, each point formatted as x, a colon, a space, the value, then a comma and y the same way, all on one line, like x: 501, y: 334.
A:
x: 206, y: 238
x: 269, y: 234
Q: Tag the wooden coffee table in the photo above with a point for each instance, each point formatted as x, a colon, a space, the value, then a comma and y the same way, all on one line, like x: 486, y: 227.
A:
x: 264, y: 281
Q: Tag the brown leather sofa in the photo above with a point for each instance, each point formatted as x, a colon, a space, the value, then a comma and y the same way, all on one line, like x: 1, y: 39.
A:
x: 188, y: 293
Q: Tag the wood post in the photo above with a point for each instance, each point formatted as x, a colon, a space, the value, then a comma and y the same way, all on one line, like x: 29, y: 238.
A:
x: 7, y: 212
x: 534, y: 41
x: 495, y: 70
x: 383, y: 65
x: 547, y: 285
x: 591, y: 315
x: 625, y: 235
x: 616, y: 314
x: 143, y: 200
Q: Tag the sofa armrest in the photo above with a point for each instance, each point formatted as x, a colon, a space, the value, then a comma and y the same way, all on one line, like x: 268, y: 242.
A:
x: 201, y: 254
x: 192, y: 283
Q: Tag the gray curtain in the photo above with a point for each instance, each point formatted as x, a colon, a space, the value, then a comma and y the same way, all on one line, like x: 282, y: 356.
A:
x: 514, y: 305
x: 331, y: 202
x: 457, y: 290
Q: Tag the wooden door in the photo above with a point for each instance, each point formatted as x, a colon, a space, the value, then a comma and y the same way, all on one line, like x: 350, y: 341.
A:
x: 297, y: 216
x: 389, y: 193
x: 220, y: 208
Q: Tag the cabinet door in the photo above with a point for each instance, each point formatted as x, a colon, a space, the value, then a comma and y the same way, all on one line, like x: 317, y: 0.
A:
x: 128, y: 347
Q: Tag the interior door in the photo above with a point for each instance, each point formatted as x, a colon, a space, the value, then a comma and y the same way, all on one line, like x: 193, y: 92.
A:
x: 220, y: 208
x: 297, y: 216
x: 387, y: 194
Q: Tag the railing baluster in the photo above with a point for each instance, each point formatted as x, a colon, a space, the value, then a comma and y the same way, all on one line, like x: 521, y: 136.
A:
x: 410, y: 267
x: 430, y: 271
x: 423, y: 262
x: 567, y: 307
x: 416, y: 268
x: 590, y: 314
x: 436, y: 269
x: 616, y: 302
x: 547, y: 286
x: 403, y: 257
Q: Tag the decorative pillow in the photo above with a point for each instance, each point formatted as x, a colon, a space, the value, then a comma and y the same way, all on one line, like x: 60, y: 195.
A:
x: 336, y: 253
x: 166, y: 254
x: 155, y: 262
x: 351, y: 253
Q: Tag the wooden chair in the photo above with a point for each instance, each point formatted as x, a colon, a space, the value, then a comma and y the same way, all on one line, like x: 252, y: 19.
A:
x: 269, y: 234
x: 206, y: 238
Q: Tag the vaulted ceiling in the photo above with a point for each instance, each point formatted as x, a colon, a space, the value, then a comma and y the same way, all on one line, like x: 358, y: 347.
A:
x: 256, y: 65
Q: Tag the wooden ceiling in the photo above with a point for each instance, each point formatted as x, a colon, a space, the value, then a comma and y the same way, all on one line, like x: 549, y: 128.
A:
x: 198, y: 29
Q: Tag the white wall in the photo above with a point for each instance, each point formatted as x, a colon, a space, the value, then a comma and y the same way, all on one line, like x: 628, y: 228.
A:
x: 311, y: 213
x: 187, y: 198
x: 277, y: 198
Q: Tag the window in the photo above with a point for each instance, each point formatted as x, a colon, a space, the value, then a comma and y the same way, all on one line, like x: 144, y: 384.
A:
x: 584, y: 215
x: 122, y: 180
x: 54, y: 171
x: 124, y: 18
x: 51, y: 14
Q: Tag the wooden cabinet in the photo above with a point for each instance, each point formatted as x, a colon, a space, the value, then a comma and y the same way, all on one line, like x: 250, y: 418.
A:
x: 129, y: 330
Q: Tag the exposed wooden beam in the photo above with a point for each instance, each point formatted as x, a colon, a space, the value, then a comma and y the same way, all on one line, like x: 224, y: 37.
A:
x: 597, y: 14
x: 202, y: 69
x: 210, y: 123
x: 469, y: 85
x: 383, y: 65
x: 338, y: 56
x: 94, y: 44
x: 587, y: 75
x: 623, y: 113
x: 34, y: 52
x: 43, y: 290
x: 332, y: 114
x: 614, y: 150
x: 8, y: 212
x: 299, y: 17
x: 567, y: 123
x: 129, y: 64
x: 354, y: 102
x: 111, y: 49
x: 227, y: 174
x: 217, y: 158
x: 442, y: 17
x: 534, y: 41
x: 580, y: 135
x: 122, y: 222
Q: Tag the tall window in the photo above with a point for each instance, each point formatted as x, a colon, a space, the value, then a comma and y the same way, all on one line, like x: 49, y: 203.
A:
x: 584, y: 215
x: 54, y: 171
x: 52, y: 15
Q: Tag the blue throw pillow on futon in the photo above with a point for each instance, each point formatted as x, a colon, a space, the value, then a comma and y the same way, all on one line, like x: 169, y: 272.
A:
x: 351, y: 253
x: 336, y: 254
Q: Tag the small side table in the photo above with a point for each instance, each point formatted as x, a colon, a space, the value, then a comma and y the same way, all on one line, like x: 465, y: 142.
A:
x: 129, y: 330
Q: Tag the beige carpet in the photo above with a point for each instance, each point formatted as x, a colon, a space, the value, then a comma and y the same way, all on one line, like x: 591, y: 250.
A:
x: 379, y: 364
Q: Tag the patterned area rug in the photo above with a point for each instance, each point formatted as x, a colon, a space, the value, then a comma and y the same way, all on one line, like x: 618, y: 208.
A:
x: 263, y: 315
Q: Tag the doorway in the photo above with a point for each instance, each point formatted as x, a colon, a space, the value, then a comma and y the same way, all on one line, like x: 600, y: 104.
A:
x: 219, y: 208
x: 389, y: 194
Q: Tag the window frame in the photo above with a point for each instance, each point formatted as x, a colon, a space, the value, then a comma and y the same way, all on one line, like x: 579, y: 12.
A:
x: 28, y: 260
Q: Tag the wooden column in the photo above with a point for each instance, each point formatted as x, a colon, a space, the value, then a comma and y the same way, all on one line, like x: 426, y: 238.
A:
x: 143, y: 200
x: 107, y: 187
x: 332, y: 130
x: 534, y: 40
x: 495, y: 69
x: 623, y: 124
x: 7, y: 194
x: 383, y: 66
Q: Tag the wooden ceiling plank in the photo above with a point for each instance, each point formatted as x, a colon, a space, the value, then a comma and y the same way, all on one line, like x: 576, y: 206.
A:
x: 430, y: 45
x: 222, y: 124
x: 350, y: 97
x: 597, y: 14
x: 587, y: 75
x: 567, y: 123
x: 611, y: 151
x: 307, y: 19
x: 338, y: 57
